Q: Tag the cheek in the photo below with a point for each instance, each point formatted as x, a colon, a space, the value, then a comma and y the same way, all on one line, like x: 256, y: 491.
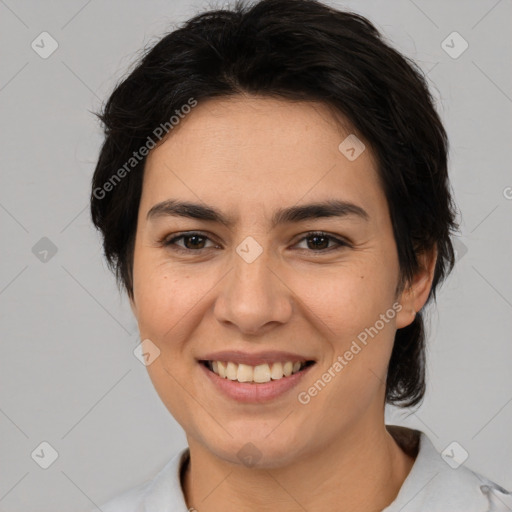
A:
x: 359, y: 327
x: 157, y: 299
x: 356, y: 310
x: 157, y: 289
x: 170, y: 301
x: 352, y: 298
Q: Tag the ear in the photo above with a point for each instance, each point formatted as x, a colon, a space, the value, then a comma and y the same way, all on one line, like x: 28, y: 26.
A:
x: 415, y: 294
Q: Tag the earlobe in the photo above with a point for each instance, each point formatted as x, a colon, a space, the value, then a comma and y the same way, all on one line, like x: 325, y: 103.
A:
x: 414, y: 297
x: 407, y: 313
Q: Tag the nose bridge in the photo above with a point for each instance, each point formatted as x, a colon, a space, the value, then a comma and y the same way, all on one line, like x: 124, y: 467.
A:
x: 253, y: 296
x: 252, y: 267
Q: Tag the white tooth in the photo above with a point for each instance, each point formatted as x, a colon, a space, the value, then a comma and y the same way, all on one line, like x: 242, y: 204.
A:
x: 245, y: 373
x: 287, y: 368
x: 231, y: 371
x: 277, y: 371
x: 221, y: 369
x: 259, y: 374
x: 262, y: 373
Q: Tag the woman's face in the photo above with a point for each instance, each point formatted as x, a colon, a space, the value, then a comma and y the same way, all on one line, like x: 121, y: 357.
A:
x: 261, y: 288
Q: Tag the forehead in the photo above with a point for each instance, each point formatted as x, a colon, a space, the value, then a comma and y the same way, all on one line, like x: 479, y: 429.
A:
x: 258, y: 149
x: 261, y: 124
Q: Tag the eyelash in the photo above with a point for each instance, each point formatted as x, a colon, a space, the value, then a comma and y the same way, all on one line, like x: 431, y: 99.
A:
x: 168, y: 242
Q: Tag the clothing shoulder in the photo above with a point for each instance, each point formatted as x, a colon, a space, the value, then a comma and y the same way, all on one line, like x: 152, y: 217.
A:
x: 469, y: 489
x: 439, y: 483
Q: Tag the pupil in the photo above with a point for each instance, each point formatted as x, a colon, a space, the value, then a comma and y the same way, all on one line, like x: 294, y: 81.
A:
x: 188, y: 238
x: 316, y: 238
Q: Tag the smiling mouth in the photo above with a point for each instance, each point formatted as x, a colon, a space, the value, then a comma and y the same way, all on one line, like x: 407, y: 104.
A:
x: 259, y: 374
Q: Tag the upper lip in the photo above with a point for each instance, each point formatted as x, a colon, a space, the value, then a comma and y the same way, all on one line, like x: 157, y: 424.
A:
x: 254, y: 359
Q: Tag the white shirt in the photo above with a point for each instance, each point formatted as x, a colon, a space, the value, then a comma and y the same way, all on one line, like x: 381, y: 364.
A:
x: 431, y: 486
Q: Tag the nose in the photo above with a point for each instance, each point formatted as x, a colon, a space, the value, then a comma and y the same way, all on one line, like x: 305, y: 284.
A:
x: 253, y: 296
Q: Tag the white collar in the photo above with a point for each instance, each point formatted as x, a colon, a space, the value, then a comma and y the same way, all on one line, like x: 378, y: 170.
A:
x: 434, y: 486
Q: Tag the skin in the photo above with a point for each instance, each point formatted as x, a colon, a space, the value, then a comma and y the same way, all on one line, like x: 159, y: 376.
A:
x: 248, y: 156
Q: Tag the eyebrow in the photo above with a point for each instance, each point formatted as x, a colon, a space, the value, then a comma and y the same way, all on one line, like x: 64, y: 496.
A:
x: 330, y: 208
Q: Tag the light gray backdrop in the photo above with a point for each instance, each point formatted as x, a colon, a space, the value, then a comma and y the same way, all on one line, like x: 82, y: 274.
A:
x: 69, y: 376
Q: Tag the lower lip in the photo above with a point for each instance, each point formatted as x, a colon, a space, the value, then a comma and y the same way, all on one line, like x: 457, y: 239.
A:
x: 252, y: 392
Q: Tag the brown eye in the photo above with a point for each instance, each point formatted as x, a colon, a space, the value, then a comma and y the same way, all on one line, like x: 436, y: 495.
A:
x: 194, y: 241
x: 191, y: 242
x: 319, y: 242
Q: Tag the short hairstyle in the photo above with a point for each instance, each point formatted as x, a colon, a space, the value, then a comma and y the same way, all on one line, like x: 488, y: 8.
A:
x: 294, y: 50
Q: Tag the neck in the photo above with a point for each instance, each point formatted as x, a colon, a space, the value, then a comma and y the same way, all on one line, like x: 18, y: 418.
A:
x: 362, y: 469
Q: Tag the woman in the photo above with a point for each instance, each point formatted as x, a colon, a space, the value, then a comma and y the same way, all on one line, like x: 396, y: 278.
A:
x: 273, y: 196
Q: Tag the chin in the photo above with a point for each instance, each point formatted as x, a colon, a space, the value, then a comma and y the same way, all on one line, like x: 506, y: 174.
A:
x: 257, y: 450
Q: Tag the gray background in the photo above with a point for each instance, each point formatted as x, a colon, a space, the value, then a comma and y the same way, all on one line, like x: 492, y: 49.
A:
x: 69, y: 376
